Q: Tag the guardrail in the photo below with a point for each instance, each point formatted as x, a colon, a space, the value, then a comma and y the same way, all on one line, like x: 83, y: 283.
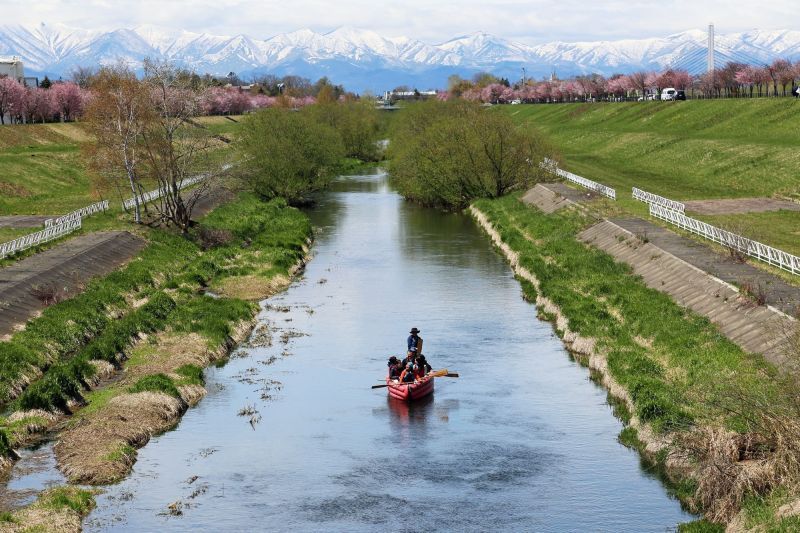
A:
x: 80, y: 213
x: 40, y: 237
x: 551, y: 166
x: 158, y: 193
x: 755, y: 249
x: 650, y: 198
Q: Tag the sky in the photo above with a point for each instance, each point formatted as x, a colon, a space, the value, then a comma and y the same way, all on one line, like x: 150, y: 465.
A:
x: 529, y: 21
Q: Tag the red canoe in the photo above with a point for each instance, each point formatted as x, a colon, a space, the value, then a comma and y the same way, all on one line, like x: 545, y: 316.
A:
x: 410, y: 391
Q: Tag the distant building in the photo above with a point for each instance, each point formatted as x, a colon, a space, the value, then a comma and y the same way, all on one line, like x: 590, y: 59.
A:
x: 394, y: 96
x: 12, y: 67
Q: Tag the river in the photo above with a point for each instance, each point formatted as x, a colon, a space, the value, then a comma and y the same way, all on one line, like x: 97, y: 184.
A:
x: 522, y: 441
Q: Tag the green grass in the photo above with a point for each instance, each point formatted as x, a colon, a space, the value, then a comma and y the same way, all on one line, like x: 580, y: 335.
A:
x: 682, y: 150
x: 691, y: 150
x: 78, y: 500
x: 663, y: 354
x: 41, y: 169
x: 156, y: 383
x: 101, y: 322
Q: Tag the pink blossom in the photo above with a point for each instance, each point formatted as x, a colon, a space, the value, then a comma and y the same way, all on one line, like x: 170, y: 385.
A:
x: 67, y: 99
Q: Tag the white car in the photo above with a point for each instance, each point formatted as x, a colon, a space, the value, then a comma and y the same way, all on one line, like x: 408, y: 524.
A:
x: 669, y: 93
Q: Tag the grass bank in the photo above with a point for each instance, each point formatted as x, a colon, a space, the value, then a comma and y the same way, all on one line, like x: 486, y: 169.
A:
x: 245, y: 250
x: 41, y: 169
x: 668, y: 367
x: 690, y: 150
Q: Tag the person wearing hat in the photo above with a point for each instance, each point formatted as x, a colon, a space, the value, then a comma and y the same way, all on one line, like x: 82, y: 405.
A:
x: 414, y: 344
x: 395, y: 368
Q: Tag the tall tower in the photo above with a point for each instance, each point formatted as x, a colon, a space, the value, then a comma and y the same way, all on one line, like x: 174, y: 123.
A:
x: 710, y: 47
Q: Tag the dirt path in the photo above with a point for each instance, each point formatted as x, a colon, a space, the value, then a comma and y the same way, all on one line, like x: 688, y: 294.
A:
x: 732, y: 206
x: 23, y: 221
x: 779, y: 294
x: 65, y: 268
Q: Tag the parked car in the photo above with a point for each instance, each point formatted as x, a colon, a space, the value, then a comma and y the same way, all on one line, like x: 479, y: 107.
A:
x: 668, y: 93
x: 680, y: 95
x: 516, y: 102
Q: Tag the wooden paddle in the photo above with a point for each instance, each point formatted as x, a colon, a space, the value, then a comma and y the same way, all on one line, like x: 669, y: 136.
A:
x: 434, y: 374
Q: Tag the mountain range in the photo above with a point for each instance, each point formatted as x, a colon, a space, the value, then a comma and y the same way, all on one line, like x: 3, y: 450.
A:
x: 364, y: 60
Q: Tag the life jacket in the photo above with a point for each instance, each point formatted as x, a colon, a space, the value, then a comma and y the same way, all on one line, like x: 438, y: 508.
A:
x: 407, y: 377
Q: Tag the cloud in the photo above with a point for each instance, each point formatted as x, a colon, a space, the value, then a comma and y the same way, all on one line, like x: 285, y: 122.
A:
x: 531, y: 21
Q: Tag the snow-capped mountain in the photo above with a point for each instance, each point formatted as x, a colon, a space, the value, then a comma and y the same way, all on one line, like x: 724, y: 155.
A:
x: 364, y: 60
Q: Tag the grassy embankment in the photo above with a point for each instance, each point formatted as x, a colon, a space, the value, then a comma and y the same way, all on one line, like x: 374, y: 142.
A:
x: 685, y: 151
x: 42, y: 172
x: 151, y: 319
x: 257, y: 244
x: 668, y: 360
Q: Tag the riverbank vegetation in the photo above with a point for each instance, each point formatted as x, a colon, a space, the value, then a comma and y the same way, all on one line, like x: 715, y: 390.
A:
x: 291, y: 154
x: 446, y: 154
x: 721, y: 423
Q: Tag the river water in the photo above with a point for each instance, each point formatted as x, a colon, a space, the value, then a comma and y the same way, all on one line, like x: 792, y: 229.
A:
x: 522, y: 441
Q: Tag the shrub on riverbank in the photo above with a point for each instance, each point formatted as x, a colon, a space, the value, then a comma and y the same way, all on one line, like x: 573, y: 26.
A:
x: 356, y: 122
x: 446, y: 154
x: 288, y: 153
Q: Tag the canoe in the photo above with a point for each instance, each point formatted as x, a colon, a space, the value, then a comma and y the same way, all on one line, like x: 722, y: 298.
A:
x: 410, y: 391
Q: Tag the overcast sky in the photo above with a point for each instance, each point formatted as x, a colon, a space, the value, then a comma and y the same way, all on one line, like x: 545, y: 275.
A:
x: 531, y: 21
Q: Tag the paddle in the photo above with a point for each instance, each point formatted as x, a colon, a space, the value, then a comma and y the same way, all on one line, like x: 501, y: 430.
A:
x: 435, y: 374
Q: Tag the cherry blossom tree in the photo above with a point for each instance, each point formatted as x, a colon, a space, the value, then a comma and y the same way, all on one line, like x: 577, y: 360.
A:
x: 12, y: 96
x: 67, y: 99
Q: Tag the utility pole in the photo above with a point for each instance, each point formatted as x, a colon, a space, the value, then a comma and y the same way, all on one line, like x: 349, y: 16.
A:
x: 523, y: 76
x: 710, y: 64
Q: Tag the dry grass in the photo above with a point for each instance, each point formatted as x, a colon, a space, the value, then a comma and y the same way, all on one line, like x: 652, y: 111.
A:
x: 102, y: 448
x: 252, y: 287
x: 168, y: 352
x: 57, y: 510
x: 43, y: 519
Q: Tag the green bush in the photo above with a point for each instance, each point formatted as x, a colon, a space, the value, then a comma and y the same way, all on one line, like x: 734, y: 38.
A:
x: 288, y: 153
x: 156, y: 383
x: 446, y: 154
x: 192, y: 375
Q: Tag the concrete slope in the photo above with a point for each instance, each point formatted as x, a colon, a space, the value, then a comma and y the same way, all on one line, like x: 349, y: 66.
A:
x: 756, y: 329
x: 545, y: 199
x: 66, y: 267
x: 779, y: 294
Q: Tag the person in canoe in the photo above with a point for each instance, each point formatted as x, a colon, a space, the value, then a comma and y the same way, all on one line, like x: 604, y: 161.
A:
x: 408, y: 374
x: 395, y: 368
x: 422, y: 367
x: 414, y: 342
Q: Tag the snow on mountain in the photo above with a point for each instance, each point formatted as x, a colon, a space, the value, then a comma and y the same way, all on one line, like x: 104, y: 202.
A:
x: 363, y: 59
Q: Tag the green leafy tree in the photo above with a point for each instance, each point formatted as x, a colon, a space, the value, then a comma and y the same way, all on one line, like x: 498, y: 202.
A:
x: 356, y: 122
x: 447, y: 154
x: 288, y: 153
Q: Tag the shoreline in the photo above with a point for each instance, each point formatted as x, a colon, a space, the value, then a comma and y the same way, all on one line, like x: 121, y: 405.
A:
x: 158, y: 375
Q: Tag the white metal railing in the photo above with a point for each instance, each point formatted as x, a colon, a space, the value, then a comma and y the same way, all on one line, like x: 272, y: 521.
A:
x: 40, y: 237
x: 650, y: 198
x: 80, y: 213
x: 158, y: 193
x: 762, y: 252
x: 552, y: 167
